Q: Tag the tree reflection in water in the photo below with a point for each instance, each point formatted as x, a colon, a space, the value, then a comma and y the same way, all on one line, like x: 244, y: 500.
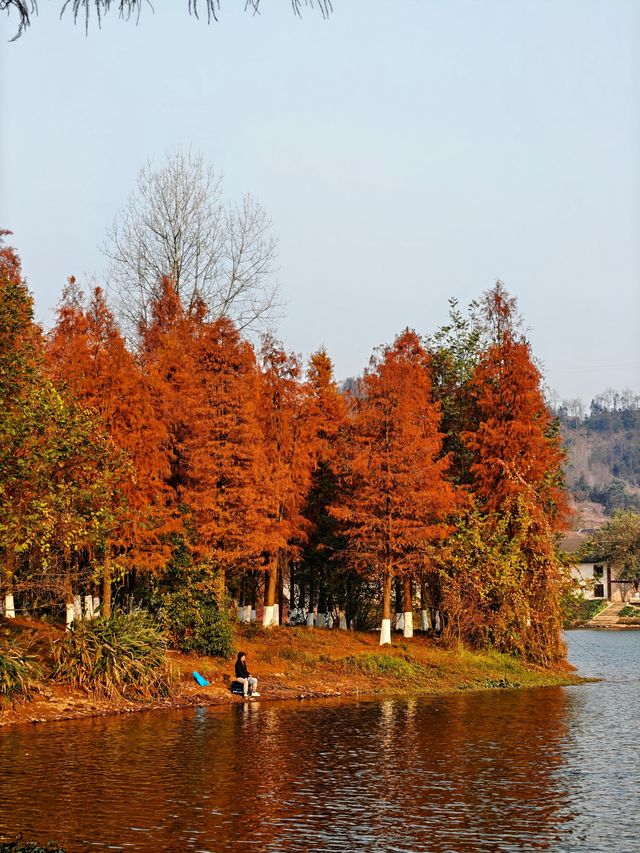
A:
x: 469, y: 772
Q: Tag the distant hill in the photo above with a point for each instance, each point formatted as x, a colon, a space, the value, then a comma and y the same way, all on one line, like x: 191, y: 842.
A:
x: 603, y: 445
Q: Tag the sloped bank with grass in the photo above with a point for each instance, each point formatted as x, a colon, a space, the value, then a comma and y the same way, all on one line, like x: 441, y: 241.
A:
x: 122, y: 666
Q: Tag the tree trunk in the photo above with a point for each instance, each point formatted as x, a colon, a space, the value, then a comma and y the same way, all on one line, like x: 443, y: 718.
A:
x: 408, y: 608
x: 398, y: 621
x: 9, y: 602
x: 385, y: 630
x: 68, y: 600
x: 278, y: 612
x: 88, y: 607
x: 270, y: 587
x: 106, y: 587
x: 321, y: 619
x: 292, y: 588
x: 9, y: 606
x: 425, y: 617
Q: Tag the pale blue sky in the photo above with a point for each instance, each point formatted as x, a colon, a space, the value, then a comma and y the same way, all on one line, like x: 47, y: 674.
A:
x: 406, y: 152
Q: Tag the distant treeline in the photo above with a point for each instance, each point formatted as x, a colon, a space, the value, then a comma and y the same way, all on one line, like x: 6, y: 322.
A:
x: 611, y: 411
x: 610, y: 430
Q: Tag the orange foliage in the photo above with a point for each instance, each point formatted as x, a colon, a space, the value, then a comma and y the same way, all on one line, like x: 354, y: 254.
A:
x: 87, y: 354
x: 289, y: 457
x: 398, y: 495
x: 516, y: 449
x: 223, y: 447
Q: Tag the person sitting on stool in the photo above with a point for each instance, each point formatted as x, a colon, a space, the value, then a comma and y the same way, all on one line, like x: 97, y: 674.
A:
x: 249, y: 683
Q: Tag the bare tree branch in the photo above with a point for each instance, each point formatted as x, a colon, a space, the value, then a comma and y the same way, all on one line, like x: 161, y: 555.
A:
x: 175, y: 224
x: 127, y: 9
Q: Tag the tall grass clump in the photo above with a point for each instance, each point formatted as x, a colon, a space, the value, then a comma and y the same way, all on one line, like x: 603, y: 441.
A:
x: 124, y: 655
x: 19, y: 670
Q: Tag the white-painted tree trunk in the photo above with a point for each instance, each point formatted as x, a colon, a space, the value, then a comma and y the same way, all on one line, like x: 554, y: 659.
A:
x: 385, y: 632
x: 407, y: 622
x: 9, y: 606
x: 399, y: 622
x: 425, y: 622
x: 267, y: 616
x: 310, y: 619
x: 88, y: 607
x: 96, y: 606
x: 276, y: 614
x: 77, y: 608
x: 321, y: 620
x: 240, y: 611
x: 253, y: 615
x: 69, y: 615
x: 329, y: 622
x: 247, y: 614
x: 438, y: 623
x: 342, y: 621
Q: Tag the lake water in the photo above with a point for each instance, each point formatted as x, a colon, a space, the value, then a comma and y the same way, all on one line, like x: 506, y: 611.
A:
x: 553, y: 769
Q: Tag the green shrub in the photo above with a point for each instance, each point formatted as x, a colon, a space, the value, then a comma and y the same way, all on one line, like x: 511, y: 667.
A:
x: 630, y: 610
x: 194, y: 623
x: 122, y: 655
x: 576, y: 608
x: 18, y: 670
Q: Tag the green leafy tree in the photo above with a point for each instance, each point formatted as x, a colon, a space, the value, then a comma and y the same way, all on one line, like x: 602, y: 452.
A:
x: 618, y: 542
x: 59, y: 490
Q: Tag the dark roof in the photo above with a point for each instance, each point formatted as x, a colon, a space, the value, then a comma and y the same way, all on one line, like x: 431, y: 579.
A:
x: 574, y: 541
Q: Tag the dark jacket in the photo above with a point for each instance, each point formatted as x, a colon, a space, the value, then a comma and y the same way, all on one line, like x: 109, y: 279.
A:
x: 241, y: 668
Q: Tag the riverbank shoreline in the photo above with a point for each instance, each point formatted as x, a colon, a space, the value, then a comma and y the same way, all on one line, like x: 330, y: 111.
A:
x: 587, y: 626
x: 298, y: 664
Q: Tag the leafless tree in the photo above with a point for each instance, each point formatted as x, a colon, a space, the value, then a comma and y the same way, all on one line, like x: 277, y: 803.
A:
x: 127, y: 9
x: 176, y: 224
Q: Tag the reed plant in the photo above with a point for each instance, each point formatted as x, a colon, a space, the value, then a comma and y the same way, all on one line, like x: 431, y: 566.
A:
x: 124, y: 655
x: 19, y: 670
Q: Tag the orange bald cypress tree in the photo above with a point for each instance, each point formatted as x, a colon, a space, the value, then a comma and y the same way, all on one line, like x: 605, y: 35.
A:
x: 223, y: 447
x: 518, y: 484
x: 168, y: 362
x: 327, y: 408
x: 289, y: 455
x: 516, y: 447
x: 86, y: 354
x: 398, y: 496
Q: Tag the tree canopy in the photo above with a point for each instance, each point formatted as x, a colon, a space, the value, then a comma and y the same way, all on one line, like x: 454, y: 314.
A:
x: 191, y: 466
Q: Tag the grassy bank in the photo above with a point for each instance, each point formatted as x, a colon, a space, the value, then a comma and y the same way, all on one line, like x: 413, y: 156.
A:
x: 291, y: 663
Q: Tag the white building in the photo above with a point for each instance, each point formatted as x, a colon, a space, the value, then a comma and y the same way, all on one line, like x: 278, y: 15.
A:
x: 596, y: 578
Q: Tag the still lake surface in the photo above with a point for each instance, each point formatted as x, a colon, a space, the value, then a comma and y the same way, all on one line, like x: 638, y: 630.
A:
x: 553, y: 769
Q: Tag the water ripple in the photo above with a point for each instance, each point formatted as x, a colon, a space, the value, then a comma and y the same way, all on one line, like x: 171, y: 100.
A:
x: 553, y: 769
